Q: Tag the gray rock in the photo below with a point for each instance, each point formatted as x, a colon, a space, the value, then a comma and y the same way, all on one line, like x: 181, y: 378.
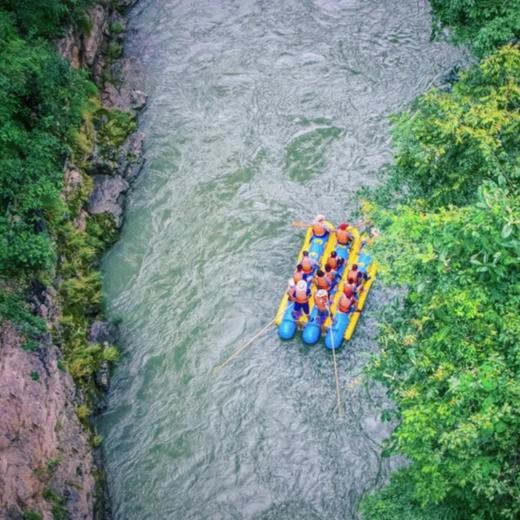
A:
x: 102, y: 376
x: 131, y: 158
x: 102, y: 332
x: 107, y: 196
x: 94, y: 40
x: 138, y: 99
x: 123, y: 98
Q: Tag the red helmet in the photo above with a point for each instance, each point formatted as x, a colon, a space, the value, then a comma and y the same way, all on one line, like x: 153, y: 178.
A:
x: 343, y: 226
x: 348, y: 292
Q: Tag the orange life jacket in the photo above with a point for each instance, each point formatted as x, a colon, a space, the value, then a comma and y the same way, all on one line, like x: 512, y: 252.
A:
x: 343, y: 236
x: 307, y: 265
x: 297, y: 276
x: 352, y: 286
x: 333, y: 262
x: 301, y: 296
x: 352, y: 276
x: 345, y: 303
x: 321, y: 303
x: 318, y: 229
x: 322, y: 283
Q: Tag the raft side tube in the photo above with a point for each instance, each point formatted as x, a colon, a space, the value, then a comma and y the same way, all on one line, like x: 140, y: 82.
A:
x: 345, y: 323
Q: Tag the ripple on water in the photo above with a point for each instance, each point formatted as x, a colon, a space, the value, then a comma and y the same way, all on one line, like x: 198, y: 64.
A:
x: 260, y: 113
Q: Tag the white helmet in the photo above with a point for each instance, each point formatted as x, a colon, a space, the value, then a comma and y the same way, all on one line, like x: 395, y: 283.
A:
x: 302, y: 285
x: 319, y: 218
x: 321, y: 292
x: 291, y: 282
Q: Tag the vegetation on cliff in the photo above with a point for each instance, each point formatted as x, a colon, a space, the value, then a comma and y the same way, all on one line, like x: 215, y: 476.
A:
x: 50, y: 116
x: 450, y: 216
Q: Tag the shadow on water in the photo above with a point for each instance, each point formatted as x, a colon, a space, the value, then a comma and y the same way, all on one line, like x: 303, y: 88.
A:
x: 260, y: 113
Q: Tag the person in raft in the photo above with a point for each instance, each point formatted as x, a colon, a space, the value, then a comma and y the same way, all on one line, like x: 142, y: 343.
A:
x: 355, y: 276
x: 291, y: 289
x: 321, y: 300
x: 320, y: 228
x: 321, y: 281
x: 308, y: 265
x: 343, y: 235
x: 348, y: 301
x: 301, y: 299
x: 334, y: 261
x: 298, y: 274
x: 331, y: 275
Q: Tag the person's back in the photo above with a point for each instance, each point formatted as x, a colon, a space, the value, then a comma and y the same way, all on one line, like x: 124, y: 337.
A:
x: 321, y: 300
x: 331, y: 276
x: 334, y: 261
x: 343, y: 236
x: 291, y: 289
x: 307, y: 264
x: 320, y: 228
x: 346, y: 303
x: 301, y: 299
x: 321, y: 281
x: 353, y: 275
x: 298, y: 274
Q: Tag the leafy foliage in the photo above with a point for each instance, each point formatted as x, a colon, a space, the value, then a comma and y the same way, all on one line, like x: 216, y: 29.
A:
x: 45, y: 18
x: 485, y: 24
x: 451, y: 355
x: 41, y: 100
x: 448, y: 143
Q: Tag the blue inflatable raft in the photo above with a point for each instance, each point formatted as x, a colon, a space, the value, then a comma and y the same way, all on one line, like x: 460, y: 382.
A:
x: 317, y: 247
x: 312, y: 330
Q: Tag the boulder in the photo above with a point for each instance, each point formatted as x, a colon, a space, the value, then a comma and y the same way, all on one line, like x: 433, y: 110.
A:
x: 102, y: 332
x: 123, y: 98
x: 107, y: 196
x: 132, y: 156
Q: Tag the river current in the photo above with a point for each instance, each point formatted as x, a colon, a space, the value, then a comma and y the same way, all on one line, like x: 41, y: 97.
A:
x: 260, y: 113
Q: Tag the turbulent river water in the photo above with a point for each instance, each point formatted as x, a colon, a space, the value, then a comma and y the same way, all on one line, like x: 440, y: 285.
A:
x: 260, y: 113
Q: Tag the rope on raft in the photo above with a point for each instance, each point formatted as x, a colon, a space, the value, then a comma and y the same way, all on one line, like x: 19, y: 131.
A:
x: 243, y: 347
x: 338, y: 396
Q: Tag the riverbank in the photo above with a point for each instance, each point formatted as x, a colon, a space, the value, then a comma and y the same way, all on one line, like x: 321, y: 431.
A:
x: 449, y: 349
x: 56, y: 347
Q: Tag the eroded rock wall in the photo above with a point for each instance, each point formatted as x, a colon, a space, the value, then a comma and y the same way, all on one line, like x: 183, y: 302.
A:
x: 46, y: 460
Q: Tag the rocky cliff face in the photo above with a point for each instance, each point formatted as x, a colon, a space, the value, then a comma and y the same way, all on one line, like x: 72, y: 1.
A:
x: 46, y: 462
x: 48, y: 467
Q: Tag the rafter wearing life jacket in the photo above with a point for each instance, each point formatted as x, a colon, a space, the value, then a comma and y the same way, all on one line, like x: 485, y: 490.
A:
x: 348, y: 301
x: 301, y: 299
x: 321, y: 300
x: 308, y: 264
x: 331, y: 274
x: 343, y: 236
x: 291, y: 289
x: 320, y: 228
x: 334, y: 261
x: 321, y: 281
x: 298, y: 274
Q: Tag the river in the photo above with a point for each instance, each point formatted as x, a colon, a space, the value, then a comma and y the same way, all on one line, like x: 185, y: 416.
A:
x: 260, y: 113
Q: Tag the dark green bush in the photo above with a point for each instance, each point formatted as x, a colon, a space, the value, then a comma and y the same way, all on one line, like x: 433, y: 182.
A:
x: 41, y: 102
x: 484, y: 24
